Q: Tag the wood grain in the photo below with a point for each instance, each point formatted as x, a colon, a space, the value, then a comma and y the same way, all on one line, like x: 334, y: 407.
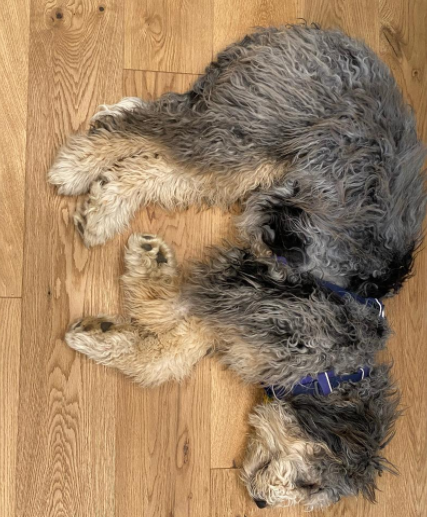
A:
x: 403, y: 45
x: 359, y: 19
x: 14, y: 23
x: 161, y: 35
x: 10, y: 336
x: 235, y: 18
x: 66, y: 445
x: 231, y: 401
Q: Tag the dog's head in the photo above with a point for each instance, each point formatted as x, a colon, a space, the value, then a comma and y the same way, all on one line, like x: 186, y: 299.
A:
x: 315, y: 450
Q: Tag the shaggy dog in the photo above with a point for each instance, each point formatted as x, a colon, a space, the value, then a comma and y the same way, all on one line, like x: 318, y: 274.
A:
x: 308, y: 130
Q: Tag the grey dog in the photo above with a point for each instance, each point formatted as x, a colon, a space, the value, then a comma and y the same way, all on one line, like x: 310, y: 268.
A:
x: 307, y: 129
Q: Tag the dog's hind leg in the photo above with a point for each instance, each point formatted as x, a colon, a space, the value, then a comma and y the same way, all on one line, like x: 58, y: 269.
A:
x: 85, y: 157
x: 133, y: 182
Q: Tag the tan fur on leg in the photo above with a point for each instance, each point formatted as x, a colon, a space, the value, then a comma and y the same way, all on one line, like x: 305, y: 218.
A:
x: 151, y: 283
x: 158, y: 343
x: 84, y: 157
x: 148, y: 358
x: 138, y: 172
x: 107, y: 114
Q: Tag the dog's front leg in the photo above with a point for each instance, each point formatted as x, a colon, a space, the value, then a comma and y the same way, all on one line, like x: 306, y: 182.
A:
x: 151, y: 283
x: 148, y: 358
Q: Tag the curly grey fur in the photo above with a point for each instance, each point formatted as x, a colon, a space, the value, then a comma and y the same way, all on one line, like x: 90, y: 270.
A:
x: 326, y: 111
x: 293, y: 325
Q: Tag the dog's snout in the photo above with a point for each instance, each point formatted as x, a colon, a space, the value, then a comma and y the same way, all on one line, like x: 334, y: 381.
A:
x: 260, y: 503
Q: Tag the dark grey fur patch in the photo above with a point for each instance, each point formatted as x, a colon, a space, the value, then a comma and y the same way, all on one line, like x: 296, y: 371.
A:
x: 355, y: 422
x: 305, y: 327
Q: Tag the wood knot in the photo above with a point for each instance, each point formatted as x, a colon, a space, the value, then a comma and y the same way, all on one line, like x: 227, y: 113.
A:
x: 55, y: 18
x: 416, y: 74
x: 101, y: 8
x: 183, y: 450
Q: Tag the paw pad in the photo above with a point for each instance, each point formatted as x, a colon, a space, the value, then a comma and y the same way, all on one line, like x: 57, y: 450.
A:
x: 106, y: 325
x: 161, y: 259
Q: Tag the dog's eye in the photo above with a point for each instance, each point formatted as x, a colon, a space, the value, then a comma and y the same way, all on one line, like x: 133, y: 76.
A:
x: 307, y: 485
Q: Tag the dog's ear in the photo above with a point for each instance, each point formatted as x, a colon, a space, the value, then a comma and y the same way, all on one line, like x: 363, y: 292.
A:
x: 355, y: 429
x: 281, y: 223
x: 284, y: 234
x: 275, y: 219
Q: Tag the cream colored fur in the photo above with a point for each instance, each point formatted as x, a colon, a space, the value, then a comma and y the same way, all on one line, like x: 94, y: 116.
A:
x: 277, y: 467
x: 155, y: 342
x: 119, y: 173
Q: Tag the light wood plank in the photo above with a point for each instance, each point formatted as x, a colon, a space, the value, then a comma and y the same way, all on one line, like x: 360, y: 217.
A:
x: 232, y: 401
x: 163, y: 469
x: 235, y: 18
x: 10, y: 336
x: 14, y: 21
x: 150, y: 85
x: 168, y: 36
x: 359, y: 19
x: 66, y: 441
x: 403, y: 45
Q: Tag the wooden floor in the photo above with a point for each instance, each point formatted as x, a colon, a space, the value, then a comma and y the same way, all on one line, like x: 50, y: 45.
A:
x: 76, y: 439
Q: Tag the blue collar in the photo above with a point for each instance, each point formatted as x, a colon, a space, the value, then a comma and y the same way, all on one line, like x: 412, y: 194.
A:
x: 340, y: 291
x: 324, y: 384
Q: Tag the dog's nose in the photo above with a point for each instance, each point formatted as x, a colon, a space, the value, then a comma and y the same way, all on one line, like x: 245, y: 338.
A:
x: 260, y: 503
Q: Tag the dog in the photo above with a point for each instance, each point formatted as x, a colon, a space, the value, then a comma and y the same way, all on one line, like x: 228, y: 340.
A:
x: 307, y: 129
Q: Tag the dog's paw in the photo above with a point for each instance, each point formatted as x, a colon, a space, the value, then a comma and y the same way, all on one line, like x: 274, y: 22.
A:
x: 109, y: 116
x: 93, y: 325
x: 92, y: 233
x: 103, y: 339
x: 74, y: 169
x: 149, y: 255
x: 98, y: 217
